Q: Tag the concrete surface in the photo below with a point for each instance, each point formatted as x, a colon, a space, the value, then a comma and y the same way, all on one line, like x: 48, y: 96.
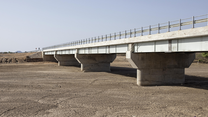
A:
x: 49, y: 58
x: 66, y: 60
x: 160, y: 68
x: 95, y: 62
x: 180, y: 34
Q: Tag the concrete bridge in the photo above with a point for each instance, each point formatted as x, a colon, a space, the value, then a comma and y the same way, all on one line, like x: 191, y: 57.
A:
x: 160, y: 58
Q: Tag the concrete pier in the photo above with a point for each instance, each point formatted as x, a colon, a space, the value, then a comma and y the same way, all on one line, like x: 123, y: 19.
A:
x: 95, y: 62
x: 66, y: 60
x: 48, y: 58
x: 160, y: 68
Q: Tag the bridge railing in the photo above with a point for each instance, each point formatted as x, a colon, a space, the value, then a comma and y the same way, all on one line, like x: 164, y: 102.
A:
x: 148, y: 30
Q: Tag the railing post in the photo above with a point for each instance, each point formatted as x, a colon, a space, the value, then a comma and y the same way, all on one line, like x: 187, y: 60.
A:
x: 130, y: 33
x: 207, y: 19
x: 168, y: 26
x: 125, y: 34
x: 98, y: 39
x: 102, y: 38
x: 114, y: 36
x: 158, y: 28
x: 110, y: 36
x: 134, y: 32
x: 141, y: 31
x: 119, y: 35
x: 180, y: 24
x: 106, y: 37
x: 150, y: 30
x: 193, y: 22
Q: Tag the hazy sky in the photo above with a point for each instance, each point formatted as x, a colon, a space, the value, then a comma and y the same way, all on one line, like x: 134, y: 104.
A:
x: 29, y: 24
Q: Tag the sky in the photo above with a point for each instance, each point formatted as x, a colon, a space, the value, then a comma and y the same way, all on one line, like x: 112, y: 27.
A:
x: 29, y: 24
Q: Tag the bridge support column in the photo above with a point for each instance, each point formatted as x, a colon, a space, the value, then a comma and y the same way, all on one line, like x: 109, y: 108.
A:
x: 48, y: 57
x: 66, y: 60
x: 95, y: 62
x: 160, y: 68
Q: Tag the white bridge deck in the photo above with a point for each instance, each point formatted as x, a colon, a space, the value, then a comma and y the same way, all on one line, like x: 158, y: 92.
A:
x: 190, y: 40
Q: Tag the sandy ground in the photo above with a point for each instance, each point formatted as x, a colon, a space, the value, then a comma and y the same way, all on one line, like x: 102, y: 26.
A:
x: 14, y: 57
x: 48, y: 90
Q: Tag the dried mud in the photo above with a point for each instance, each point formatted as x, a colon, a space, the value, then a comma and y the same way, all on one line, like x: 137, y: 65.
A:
x: 44, y: 89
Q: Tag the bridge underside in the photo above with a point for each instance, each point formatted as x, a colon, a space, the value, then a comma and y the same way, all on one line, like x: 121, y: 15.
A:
x: 159, y: 59
x: 95, y: 62
x: 152, y: 68
x: 66, y: 60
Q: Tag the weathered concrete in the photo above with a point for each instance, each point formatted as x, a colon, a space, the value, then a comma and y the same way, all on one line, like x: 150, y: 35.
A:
x: 180, y: 34
x: 160, y: 68
x: 48, y: 57
x: 66, y: 60
x: 95, y: 62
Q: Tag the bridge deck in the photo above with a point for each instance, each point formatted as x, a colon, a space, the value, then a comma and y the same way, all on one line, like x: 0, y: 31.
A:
x: 190, y: 40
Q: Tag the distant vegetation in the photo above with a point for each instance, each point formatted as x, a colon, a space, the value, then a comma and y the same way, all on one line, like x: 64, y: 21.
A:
x: 202, y: 57
x: 205, y: 54
x: 10, y: 52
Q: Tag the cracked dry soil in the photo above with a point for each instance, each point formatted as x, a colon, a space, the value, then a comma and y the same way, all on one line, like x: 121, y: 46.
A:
x: 47, y: 90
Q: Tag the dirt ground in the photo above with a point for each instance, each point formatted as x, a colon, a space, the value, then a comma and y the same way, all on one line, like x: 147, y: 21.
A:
x: 43, y: 89
x: 14, y: 57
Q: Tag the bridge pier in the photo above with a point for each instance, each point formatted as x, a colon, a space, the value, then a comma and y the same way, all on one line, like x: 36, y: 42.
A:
x: 48, y: 57
x: 160, y: 68
x: 66, y: 60
x: 95, y: 62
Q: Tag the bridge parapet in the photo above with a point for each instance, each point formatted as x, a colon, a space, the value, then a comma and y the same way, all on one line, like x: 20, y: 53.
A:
x: 148, y: 30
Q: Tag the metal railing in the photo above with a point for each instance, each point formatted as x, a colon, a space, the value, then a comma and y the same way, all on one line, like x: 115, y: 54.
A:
x: 192, y: 21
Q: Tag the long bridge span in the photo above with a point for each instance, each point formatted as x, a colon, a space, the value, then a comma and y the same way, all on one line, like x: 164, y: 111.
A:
x: 159, y: 54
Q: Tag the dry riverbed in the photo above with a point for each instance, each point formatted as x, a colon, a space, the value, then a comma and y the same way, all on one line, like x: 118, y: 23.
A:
x: 47, y: 90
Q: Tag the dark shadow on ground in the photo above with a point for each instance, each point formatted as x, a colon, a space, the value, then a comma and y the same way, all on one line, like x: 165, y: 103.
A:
x: 190, y: 81
x: 125, y: 71
x: 196, y: 82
